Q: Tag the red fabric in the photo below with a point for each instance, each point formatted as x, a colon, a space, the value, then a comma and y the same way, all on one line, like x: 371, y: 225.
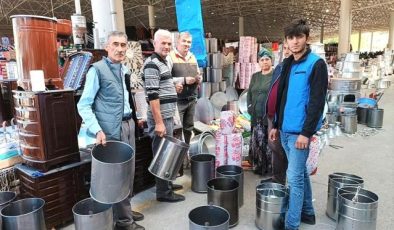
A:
x: 272, y: 100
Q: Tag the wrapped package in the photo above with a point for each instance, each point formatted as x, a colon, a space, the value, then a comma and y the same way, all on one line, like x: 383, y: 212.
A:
x: 234, y: 149
x: 227, y: 122
x: 220, y: 149
x: 314, y: 149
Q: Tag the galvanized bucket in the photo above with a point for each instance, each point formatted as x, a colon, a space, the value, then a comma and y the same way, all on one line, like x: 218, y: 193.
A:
x: 91, y: 215
x: 111, y: 172
x: 234, y: 172
x: 25, y: 214
x: 357, y: 209
x: 223, y: 192
x: 6, y: 198
x: 202, y: 170
x: 209, y: 218
x: 169, y: 158
x: 271, y: 205
x: 335, y: 182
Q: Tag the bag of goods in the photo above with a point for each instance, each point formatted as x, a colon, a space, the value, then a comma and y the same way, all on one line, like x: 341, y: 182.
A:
x: 220, y: 149
x: 234, y: 149
x: 227, y: 122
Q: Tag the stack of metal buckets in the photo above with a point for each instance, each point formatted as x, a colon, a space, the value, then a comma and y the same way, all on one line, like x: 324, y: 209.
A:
x: 224, y: 188
x: 351, y: 206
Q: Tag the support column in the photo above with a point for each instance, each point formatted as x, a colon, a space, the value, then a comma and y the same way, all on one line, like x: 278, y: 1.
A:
x: 359, y: 41
x: 370, y: 47
x: 241, y: 26
x: 321, y: 33
x: 345, y: 17
x: 152, y: 19
x: 391, y: 32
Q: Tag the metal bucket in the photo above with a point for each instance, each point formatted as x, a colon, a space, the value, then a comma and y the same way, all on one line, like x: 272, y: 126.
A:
x: 169, y: 158
x: 234, y: 172
x: 362, y: 115
x: 215, y: 87
x: 331, y: 117
x: 209, y: 218
x: 349, y: 123
x: 202, y: 170
x: 111, y: 172
x: 222, y: 86
x: 357, y: 209
x: 6, y: 198
x: 216, y: 60
x: 223, y: 192
x: 91, y: 215
x: 375, y: 118
x: 25, y: 214
x: 205, y: 90
x: 335, y: 182
x: 216, y: 75
x: 271, y: 204
x: 202, y: 143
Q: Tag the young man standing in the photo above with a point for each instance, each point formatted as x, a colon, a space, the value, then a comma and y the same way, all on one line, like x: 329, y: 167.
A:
x: 299, y: 107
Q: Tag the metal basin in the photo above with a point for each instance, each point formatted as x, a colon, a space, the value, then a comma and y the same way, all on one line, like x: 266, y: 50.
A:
x: 169, y: 158
x: 25, y: 214
x: 243, y: 102
x: 209, y: 218
x: 91, y: 215
x: 202, y: 170
x: 234, y: 172
x: 111, y: 172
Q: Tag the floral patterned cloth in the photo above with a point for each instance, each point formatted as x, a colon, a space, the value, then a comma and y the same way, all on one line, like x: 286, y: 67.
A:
x: 260, y: 155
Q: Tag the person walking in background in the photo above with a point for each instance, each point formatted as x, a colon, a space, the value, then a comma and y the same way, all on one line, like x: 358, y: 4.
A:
x: 108, y: 114
x: 300, y: 102
x: 259, y: 155
x: 279, y: 160
x: 161, y: 93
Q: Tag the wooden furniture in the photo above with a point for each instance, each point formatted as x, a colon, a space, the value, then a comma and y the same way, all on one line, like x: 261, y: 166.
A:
x: 47, y: 128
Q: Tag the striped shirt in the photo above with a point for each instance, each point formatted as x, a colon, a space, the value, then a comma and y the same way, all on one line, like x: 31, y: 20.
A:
x: 158, y: 84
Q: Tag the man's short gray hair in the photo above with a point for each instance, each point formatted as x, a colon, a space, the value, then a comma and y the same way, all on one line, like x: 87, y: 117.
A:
x: 116, y: 34
x: 184, y: 34
x: 162, y: 33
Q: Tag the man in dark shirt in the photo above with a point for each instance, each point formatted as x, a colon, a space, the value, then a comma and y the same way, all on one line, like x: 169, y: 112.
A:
x: 299, y: 108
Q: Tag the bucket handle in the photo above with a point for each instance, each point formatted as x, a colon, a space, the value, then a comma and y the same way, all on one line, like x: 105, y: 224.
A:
x: 355, y: 198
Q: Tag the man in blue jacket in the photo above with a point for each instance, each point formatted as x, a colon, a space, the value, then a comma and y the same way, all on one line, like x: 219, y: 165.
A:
x: 299, y: 108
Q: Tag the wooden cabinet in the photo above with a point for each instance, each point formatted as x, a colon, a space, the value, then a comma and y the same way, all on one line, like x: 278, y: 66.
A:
x: 47, y: 128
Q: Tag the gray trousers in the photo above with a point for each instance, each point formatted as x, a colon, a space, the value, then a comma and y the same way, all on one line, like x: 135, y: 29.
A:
x: 122, y: 210
x: 186, y: 113
x: 279, y: 159
x: 163, y: 187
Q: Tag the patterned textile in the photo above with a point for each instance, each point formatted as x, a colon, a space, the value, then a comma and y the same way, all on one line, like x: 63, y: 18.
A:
x: 260, y: 155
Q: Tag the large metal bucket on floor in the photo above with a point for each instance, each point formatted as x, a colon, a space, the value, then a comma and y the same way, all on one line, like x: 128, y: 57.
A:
x: 223, y: 192
x: 271, y: 205
x: 111, y: 172
x: 209, y: 218
x: 6, y: 198
x: 335, y: 182
x: 357, y: 209
x: 25, y: 214
x: 202, y: 170
x: 169, y: 158
x: 202, y: 143
x: 234, y: 172
x: 91, y: 215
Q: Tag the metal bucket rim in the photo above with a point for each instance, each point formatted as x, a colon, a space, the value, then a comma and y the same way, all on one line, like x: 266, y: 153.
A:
x: 334, y: 181
x: 20, y: 201
x: 212, y: 157
x: 222, y: 178
x: 350, y: 190
x: 94, y: 214
x: 32, y: 16
x: 104, y: 202
x: 213, y: 206
x: 175, y: 141
x: 10, y: 200
x: 202, y: 138
x: 118, y: 163
x: 236, y: 167
x: 341, y: 174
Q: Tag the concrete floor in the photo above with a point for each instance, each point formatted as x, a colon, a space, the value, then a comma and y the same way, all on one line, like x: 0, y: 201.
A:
x: 371, y: 157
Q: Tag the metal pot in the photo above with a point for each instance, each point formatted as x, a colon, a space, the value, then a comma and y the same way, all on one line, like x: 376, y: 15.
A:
x: 92, y: 215
x: 351, y: 75
x: 222, y: 86
x: 112, y: 166
x: 352, y: 57
x: 202, y: 170
x: 216, y: 60
x: 375, y: 118
x: 25, y: 214
x: 357, y: 209
x: 202, y: 143
x: 345, y: 84
x: 169, y: 158
x: 215, y: 87
x: 331, y: 117
x: 209, y: 218
x: 234, y: 172
x: 204, y: 91
x: 216, y: 75
x: 349, y: 123
x: 351, y: 67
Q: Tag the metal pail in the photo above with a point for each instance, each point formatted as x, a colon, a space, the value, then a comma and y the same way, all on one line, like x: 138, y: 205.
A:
x: 6, y: 198
x: 202, y: 170
x: 271, y: 205
x: 234, y: 172
x: 209, y: 217
x: 335, y: 182
x: 169, y: 158
x: 223, y: 192
x: 111, y: 172
x: 25, y: 214
x: 357, y: 209
x: 91, y: 215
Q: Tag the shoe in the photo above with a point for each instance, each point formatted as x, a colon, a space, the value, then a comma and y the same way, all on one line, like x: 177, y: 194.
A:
x: 176, y: 187
x: 172, y: 198
x: 133, y: 226
x: 308, y: 219
x: 137, y: 216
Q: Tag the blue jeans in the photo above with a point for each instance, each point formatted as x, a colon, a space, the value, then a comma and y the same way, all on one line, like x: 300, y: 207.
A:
x: 300, y: 200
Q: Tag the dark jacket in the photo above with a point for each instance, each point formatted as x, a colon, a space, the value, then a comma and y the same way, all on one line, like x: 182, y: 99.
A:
x: 299, y: 108
x: 275, y: 78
